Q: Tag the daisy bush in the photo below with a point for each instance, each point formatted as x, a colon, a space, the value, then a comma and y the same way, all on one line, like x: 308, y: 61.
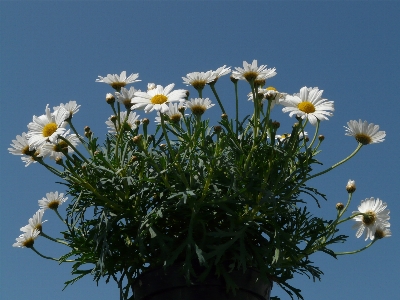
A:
x: 169, y: 186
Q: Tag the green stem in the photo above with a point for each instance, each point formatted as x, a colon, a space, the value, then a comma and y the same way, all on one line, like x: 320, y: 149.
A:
x: 73, y: 148
x: 53, y: 239
x: 356, y: 251
x: 219, y: 101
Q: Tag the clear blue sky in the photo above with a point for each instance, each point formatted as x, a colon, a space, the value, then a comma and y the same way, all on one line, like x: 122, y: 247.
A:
x: 52, y: 52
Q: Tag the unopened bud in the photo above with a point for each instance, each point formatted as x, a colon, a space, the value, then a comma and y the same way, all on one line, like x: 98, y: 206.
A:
x: 87, y: 128
x: 276, y: 124
x: 137, y: 139
x: 224, y: 116
x: 339, y: 206
x: 217, y: 129
x: 113, y: 118
x: 137, y: 122
x: 321, y: 137
x: 59, y: 161
x: 181, y: 109
x: 151, y: 86
x: 88, y: 134
x: 110, y: 99
x: 351, y: 186
x: 145, y: 121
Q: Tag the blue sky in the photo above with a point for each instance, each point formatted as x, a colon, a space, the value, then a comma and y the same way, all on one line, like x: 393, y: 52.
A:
x: 52, y: 52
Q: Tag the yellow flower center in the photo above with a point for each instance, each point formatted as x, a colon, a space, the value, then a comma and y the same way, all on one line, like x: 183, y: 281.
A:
x: 49, y: 129
x: 199, y: 84
x: 118, y: 85
x: 306, y: 107
x: 369, y: 218
x: 175, y: 118
x: 53, y: 204
x: 198, y: 110
x: 25, y: 150
x: 250, y: 75
x: 363, y: 138
x: 271, y: 88
x: 28, y: 243
x: 159, y: 99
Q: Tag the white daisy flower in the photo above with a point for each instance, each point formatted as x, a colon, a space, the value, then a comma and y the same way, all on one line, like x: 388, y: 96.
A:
x: 365, y: 133
x: 252, y: 72
x: 72, y: 107
x: 46, y: 127
x: 308, y: 104
x: 125, y: 96
x: 382, y: 232
x: 173, y: 113
x: 131, y: 121
x: 35, y: 222
x: 157, y: 98
x: 285, y: 136
x: 27, y: 239
x: 199, y: 105
x: 376, y: 216
x: 117, y: 82
x: 198, y: 79
x: 59, y: 147
x: 270, y: 94
x: 221, y: 72
x: 52, y: 201
x: 36, y: 154
x: 20, y: 145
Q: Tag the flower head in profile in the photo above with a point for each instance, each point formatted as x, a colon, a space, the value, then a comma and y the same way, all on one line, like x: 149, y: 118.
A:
x: 72, y: 107
x: 125, y: 96
x: 251, y: 72
x: 47, y: 127
x: 220, y: 72
x: 117, y: 82
x: 268, y: 94
x: 59, y: 148
x: 198, y: 79
x: 199, y: 105
x: 375, y: 215
x: 365, y: 133
x: 308, y: 104
x: 382, y: 232
x: 351, y: 186
x: 35, y: 222
x: 157, y: 98
x: 173, y: 113
x: 20, y: 145
x: 129, y: 121
x: 27, y: 239
x: 33, y: 157
x: 52, y: 201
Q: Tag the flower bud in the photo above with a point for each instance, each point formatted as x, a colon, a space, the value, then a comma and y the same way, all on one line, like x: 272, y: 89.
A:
x: 137, y: 139
x: 339, y: 206
x: 87, y: 128
x: 88, y: 134
x: 110, y: 99
x: 113, y: 118
x: 351, y: 186
x: 276, y: 124
x: 181, y: 109
x: 59, y: 161
x: 321, y: 137
x: 145, y: 121
x: 224, y: 116
x: 217, y: 129
x: 137, y: 122
x: 151, y: 86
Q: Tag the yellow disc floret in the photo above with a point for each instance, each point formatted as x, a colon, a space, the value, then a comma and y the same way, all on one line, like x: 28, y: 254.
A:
x: 363, y: 138
x: 49, y: 129
x: 306, y: 107
x: 369, y: 218
x: 159, y: 99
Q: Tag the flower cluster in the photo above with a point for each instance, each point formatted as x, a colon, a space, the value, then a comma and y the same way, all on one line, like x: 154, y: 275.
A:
x: 217, y: 194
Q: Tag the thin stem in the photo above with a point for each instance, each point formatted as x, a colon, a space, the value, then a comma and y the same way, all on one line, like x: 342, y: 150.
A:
x: 53, y: 239
x: 41, y: 255
x: 356, y: 251
x: 217, y: 97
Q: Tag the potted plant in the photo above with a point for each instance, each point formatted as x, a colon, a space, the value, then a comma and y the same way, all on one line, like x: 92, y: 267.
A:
x: 194, y: 206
